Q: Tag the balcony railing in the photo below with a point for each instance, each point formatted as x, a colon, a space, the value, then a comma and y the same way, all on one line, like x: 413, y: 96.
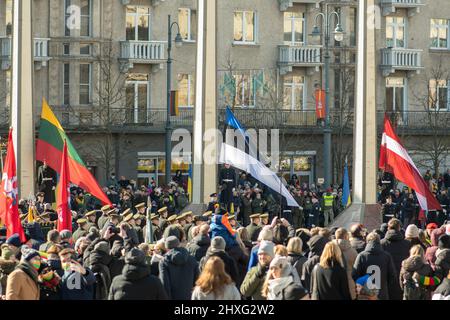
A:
x: 393, y: 59
x: 390, y: 6
x: 40, y: 47
x: 298, y: 56
x: 286, y: 4
x: 143, y: 51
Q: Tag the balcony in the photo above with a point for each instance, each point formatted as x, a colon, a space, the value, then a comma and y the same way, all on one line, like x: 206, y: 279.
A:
x: 393, y: 59
x: 40, y: 52
x: 298, y: 56
x: 286, y: 4
x: 390, y: 6
x: 142, y: 52
x: 152, y: 2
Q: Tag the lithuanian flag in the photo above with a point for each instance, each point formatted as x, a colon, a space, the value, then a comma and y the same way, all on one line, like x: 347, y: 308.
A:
x: 49, y: 148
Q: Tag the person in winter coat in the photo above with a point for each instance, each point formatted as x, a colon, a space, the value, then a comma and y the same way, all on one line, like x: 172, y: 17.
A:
x: 430, y: 254
x: 412, y: 234
x: 280, y: 284
x: 316, y: 245
x: 295, y: 255
x: 22, y: 283
x: 200, y: 243
x: 136, y: 282
x: 357, y: 240
x: 100, y: 260
x: 49, y: 284
x: 217, y: 249
x: 375, y: 257
x: 75, y: 273
x: 416, y: 276
x: 349, y: 255
x: 254, y: 279
x: 443, y: 256
x: 329, y: 277
x: 395, y: 244
x: 52, y: 239
x: 178, y: 271
x: 443, y: 291
x: 265, y: 234
x: 240, y: 258
x: 117, y: 259
x: 214, y: 283
x: 8, y: 263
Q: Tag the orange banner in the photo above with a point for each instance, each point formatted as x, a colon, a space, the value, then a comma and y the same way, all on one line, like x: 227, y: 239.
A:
x: 320, y: 104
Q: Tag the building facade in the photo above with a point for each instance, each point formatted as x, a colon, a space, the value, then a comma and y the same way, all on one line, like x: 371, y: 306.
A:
x: 101, y: 65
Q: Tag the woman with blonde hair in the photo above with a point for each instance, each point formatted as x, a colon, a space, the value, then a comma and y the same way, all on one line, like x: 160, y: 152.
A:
x: 295, y: 255
x: 329, y: 277
x: 280, y: 283
x: 214, y: 283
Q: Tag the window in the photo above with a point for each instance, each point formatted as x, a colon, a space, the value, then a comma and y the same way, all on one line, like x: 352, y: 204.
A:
x: 85, y: 83
x: 245, y: 90
x: 67, y: 15
x: 8, y: 18
x: 293, y: 92
x: 186, y: 23
x: 66, y: 49
x: 66, y: 84
x: 352, y: 25
x: 395, y: 95
x: 138, y: 23
x: 395, y: 32
x: 186, y: 90
x: 439, y: 33
x: 85, y: 18
x: 438, y: 96
x: 137, y: 97
x: 85, y: 49
x: 293, y: 27
x: 244, y: 27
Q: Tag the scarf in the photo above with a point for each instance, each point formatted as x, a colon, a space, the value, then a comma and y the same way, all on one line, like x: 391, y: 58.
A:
x: 25, y: 267
x: 276, y: 286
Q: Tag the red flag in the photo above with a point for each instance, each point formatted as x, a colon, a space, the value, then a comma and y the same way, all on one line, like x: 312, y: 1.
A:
x: 63, y: 197
x: 9, y: 202
x: 395, y: 159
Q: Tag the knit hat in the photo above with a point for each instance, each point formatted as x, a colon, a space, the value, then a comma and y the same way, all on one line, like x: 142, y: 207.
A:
x: 102, y: 246
x: 171, y: 242
x: 217, y: 244
x: 14, y: 240
x: 135, y: 256
x: 6, y: 252
x: 266, y: 247
x: 282, y: 263
x: 412, y: 231
x: 28, y: 253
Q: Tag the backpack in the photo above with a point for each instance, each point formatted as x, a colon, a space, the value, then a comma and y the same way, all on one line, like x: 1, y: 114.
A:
x: 413, y: 290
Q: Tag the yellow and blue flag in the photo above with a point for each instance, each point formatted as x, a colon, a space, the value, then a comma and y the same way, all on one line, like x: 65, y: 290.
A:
x: 346, y: 198
x: 189, y: 183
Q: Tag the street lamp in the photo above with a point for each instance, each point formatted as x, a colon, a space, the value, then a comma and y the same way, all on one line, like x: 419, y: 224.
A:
x: 178, y: 42
x: 338, y: 36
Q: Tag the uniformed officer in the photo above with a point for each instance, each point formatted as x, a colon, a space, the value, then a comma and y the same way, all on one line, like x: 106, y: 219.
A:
x: 82, y: 229
x: 328, y: 214
x: 389, y: 210
x: 157, y: 232
x: 141, y: 209
x: 264, y: 219
x: 234, y: 224
x: 188, y: 218
x: 104, y: 217
x: 208, y: 215
x: 40, y: 204
x: 227, y: 180
x: 254, y: 228
x: 212, y: 203
x: 90, y: 216
x: 163, y: 223
x: 172, y: 220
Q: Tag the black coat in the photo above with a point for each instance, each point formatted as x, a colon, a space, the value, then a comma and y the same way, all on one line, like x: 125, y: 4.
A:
x: 330, y: 283
x: 394, y: 243
x: 316, y: 246
x: 442, y: 263
x: 230, y: 264
x: 374, y: 255
x: 297, y: 261
x: 241, y: 260
x: 198, y: 246
x: 99, y: 264
x: 178, y: 272
x: 136, y: 283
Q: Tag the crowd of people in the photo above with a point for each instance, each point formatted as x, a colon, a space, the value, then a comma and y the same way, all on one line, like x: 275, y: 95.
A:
x: 247, y: 244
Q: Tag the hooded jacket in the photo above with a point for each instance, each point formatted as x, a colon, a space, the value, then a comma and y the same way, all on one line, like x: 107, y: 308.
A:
x: 198, y: 246
x: 99, y: 264
x: 410, y: 266
x: 430, y: 254
x: 178, y: 272
x: 394, y: 243
x: 375, y: 256
x: 136, y: 283
x: 316, y: 245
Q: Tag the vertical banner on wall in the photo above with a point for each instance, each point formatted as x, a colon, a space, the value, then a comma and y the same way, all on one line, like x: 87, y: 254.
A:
x: 320, y: 104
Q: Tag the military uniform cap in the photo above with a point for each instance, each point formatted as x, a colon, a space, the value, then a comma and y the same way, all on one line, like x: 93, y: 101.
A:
x: 126, y: 212
x: 128, y: 217
x: 256, y: 215
x: 113, y: 214
x: 264, y: 216
x: 81, y: 221
x: 112, y: 211
x: 180, y: 217
x: 207, y: 214
x: 90, y: 213
x: 106, y: 207
x: 232, y: 217
x: 187, y: 213
x: 213, y: 194
x: 172, y: 218
x: 163, y: 209
x: 140, y: 205
x: 137, y: 216
x: 153, y: 216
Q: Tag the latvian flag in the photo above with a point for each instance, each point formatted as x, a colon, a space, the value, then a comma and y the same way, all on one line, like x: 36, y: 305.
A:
x: 395, y: 159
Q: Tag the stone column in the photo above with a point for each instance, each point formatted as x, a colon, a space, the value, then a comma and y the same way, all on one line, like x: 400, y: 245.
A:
x: 205, y: 172
x: 22, y: 119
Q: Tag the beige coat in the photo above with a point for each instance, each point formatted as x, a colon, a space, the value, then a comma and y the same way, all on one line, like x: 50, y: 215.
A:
x: 349, y: 254
x: 21, y: 286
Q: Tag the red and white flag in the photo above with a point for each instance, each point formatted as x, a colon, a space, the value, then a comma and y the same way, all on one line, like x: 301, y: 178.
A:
x: 63, y: 195
x: 395, y: 159
x: 9, y: 202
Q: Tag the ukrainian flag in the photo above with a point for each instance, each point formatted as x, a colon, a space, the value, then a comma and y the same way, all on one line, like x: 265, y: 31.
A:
x: 346, y: 199
x: 189, y: 184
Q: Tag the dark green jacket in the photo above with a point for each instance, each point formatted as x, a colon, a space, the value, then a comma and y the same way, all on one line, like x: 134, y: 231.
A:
x: 253, y: 284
